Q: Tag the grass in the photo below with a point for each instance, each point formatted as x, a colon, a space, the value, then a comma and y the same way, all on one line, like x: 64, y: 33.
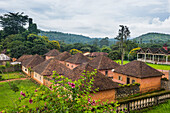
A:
x: 8, y: 96
x: 161, y: 108
x: 156, y: 66
x: 12, y: 75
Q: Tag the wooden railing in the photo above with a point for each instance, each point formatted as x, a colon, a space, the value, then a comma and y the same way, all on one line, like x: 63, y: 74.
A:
x: 138, y: 104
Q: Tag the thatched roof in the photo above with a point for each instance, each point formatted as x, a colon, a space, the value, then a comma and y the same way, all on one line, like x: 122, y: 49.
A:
x: 23, y: 57
x: 33, y: 61
x: 77, y: 59
x: 47, y: 67
x: 63, y: 56
x: 138, y: 69
x: 100, y: 81
x: 103, y: 62
x: 53, y: 52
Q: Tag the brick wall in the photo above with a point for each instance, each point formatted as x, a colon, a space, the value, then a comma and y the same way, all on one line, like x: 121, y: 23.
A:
x: 104, y: 95
x: 71, y: 65
x: 146, y: 84
x: 109, y: 72
x: 48, y: 57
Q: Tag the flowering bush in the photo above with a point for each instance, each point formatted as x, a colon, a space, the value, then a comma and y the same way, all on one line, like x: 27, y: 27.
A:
x: 64, y: 96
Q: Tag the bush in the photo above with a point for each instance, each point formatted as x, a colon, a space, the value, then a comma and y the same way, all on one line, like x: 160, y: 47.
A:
x: 63, y: 96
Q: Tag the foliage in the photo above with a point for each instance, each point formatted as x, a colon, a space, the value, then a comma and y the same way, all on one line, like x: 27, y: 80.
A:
x: 13, y: 86
x: 64, y: 96
x: 105, y: 49
x: 53, y: 44
x: 104, y: 42
x: 13, y: 23
x: 156, y: 37
x: 114, y: 55
x: 125, y: 85
x: 74, y: 51
x: 8, y: 96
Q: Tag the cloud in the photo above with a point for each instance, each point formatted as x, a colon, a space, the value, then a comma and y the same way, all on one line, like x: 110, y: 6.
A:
x: 94, y: 18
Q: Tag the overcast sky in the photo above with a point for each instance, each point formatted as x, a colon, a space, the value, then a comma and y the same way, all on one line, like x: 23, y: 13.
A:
x: 94, y: 18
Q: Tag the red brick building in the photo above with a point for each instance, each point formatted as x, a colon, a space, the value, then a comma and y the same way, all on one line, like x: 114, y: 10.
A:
x: 76, y: 60
x: 104, y: 64
x: 52, y: 54
x: 31, y: 63
x: 137, y: 71
x: 63, y: 56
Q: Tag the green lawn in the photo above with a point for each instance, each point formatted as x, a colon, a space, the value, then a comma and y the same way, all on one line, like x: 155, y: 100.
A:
x: 8, y: 96
x: 156, y: 66
x: 162, y: 108
x: 12, y: 75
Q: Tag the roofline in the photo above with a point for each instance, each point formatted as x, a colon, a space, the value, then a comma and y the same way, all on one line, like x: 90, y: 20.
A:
x: 140, y: 77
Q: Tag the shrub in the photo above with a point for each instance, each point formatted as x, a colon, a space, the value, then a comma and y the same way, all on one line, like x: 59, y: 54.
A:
x: 64, y: 95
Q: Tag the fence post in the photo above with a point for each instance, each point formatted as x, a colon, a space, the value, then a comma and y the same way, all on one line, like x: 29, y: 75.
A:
x: 156, y: 100
x: 128, y: 107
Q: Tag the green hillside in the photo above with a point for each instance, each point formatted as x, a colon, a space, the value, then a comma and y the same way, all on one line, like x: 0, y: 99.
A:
x: 66, y: 37
x: 153, y: 38
x: 71, y: 38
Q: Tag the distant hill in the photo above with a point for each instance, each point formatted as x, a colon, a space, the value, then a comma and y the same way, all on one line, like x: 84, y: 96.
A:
x: 155, y: 37
x: 70, y: 38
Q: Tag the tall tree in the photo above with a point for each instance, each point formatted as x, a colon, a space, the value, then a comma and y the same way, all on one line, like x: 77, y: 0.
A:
x: 123, y: 34
x: 13, y: 23
x: 104, y: 41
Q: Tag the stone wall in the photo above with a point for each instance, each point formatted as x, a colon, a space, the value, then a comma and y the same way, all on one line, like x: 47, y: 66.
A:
x: 165, y: 84
x: 125, y: 91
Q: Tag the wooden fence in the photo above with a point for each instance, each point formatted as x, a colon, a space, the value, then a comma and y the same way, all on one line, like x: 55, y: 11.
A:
x: 141, y: 103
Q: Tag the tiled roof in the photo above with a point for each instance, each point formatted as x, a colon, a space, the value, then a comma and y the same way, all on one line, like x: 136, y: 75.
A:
x: 103, y: 62
x: 95, y: 54
x: 47, y: 67
x: 33, y: 61
x: 23, y: 57
x: 77, y: 59
x: 138, y: 69
x: 53, y: 52
x: 100, y: 81
x: 63, y: 56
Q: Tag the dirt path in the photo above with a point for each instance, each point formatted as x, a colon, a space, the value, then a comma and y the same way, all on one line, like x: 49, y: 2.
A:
x: 14, y: 79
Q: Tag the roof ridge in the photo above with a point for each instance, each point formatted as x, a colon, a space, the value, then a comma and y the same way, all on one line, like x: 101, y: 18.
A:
x: 32, y: 59
x: 47, y: 65
x: 100, y: 62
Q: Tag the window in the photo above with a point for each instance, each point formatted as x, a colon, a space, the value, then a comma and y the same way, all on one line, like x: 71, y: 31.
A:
x: 40, y: 78
x: 120, y: 78
x: 106, y: 73
x: 72, y: 66
x: 35, y: 75
x: 25, y: 69
x: 67, y: 64
x: 133, y: 81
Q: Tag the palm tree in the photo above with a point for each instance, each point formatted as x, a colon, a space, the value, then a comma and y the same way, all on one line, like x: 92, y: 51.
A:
x: 123, y: 34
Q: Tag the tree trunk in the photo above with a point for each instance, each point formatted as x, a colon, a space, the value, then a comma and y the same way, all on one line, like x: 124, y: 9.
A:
x: 122, y: 56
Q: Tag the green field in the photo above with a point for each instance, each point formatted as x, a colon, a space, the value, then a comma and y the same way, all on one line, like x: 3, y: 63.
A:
x: 156, y: 66
x: 8, y: 96
x: 162, y: 108
x: 12, y: 75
